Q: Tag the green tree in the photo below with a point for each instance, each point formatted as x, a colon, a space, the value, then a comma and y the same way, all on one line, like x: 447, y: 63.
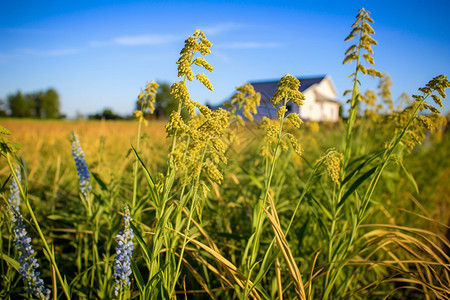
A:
x: 39, y: 104
x: 49, y: 102
x: 107, y: 114
x: 21, y: 106
x: 3, y: 109
x: 165, y: 103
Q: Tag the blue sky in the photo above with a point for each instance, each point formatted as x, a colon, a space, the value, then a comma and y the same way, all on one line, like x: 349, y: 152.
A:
x: 99, y: 54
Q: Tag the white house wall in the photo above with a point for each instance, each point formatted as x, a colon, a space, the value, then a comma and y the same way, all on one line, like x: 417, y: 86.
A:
x: 325, y: 88
x: 313, y: 110
x: 309, y: 109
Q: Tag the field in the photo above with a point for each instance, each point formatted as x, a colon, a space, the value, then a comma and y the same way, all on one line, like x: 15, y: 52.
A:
x: 207, y: 205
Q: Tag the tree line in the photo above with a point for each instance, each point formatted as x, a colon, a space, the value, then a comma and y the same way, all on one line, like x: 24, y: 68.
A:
x: 46, y: 105
x: 40, y: 104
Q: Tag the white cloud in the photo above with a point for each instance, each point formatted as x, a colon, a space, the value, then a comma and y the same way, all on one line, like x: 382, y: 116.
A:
x: 52, y: 52
x: 249, y: 45
x: 220, y: 28
x: 152, y: 39
x: 138, y: 40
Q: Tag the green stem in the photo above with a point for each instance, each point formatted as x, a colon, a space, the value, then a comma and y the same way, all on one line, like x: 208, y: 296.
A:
x: 194, y: 201
x: 347, y: 141
x: 136, y: 165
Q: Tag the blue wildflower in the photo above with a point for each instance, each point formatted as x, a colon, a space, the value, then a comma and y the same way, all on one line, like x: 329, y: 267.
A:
x: 28, y: 263
x: 124, y: 251
x: 82, y: 167
x: 14, y: 198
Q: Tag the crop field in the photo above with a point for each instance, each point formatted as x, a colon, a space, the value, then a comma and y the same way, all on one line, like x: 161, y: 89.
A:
x: 214, y: 204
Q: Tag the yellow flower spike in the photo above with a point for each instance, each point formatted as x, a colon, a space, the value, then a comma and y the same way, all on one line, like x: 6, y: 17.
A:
x: 213, y: 173
x: 247, y: 114
x: 284, y: 146
x: 201, y: 62
x: 203, y: 109
x: 272, y: 131
x: 174, y: 124
x: 295, y: 144
x: 362, y: 28
x: 204, y: 79
x: 332, y: 160
x: 295, y: 120
x: 247, y: 99
x: 241, y: 121
x: 147, y: 97
x: 281, y: 111
x: 138, y: 114
x: 288, y: 90
x: 180, y: 92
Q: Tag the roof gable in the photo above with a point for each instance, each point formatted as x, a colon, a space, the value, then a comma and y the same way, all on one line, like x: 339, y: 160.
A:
x: 268, y: 88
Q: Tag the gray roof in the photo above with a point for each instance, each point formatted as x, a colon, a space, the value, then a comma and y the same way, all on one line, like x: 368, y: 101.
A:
x: 268, y: 88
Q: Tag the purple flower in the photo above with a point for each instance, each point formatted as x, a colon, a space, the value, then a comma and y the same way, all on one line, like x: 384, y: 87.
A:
x: 82, y: 167
x: 28, y: 263
x: 124, y: 251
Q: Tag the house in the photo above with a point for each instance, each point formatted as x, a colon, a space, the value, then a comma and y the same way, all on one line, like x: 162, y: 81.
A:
x: 320, y: 104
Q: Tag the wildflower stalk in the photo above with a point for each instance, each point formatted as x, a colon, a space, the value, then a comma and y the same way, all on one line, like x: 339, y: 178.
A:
x: 288, y: 90
x: 191, y: 210
x: 363, y: 30
x: 122, y: 262
x: 338, y: 260
x: 49, y: 255
x: 146, y: 100
x: 262, y: 202
x: 352, y: 117
x: 135, y: 170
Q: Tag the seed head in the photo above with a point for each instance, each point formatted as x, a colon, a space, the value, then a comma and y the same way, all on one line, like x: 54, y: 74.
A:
x: 295, y: 120
x: 332, y: 160
x: 174, y: 124
x: 204, y: 79
x: 288, y: 90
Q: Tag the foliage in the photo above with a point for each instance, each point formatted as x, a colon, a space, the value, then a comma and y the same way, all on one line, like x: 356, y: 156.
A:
x: 107, y: 114
x: 41, y: 104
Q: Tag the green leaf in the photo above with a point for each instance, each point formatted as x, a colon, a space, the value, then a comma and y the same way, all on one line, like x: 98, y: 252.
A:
x: 269, y: 259
x: 367, y: 160
x: 10, y: 261
x: 151, y: 184
x: 410, y: 177
x: 142, y: 243
x: 355, y: 185
x: 100, y: 182
x: 138, y: 276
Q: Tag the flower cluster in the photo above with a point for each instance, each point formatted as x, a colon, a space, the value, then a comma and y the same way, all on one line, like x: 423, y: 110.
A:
x: 416, y: 131
x: 204, y: 134
x: 246, y: 99
x: 124, y: 251
x: 28, y: 263
x: 288, y: 90
x: 14, y: 198
x: 194, y: 44
x: 146, y: 100
x: 362, y: 28
x: 198, y: 143
x: 82, y: 167
x: 332, y: 160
